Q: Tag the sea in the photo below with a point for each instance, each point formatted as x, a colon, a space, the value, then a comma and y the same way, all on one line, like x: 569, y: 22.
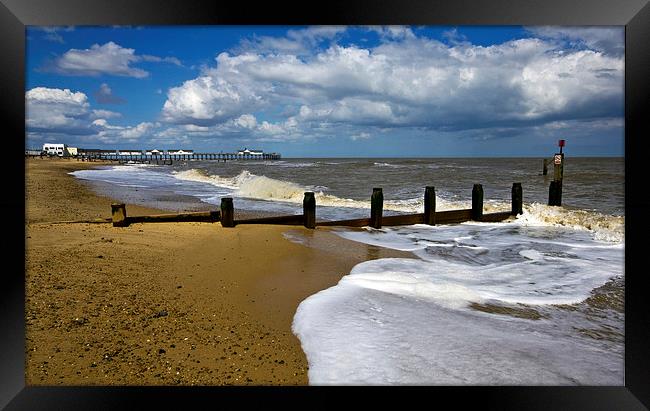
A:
x: 535, y: 300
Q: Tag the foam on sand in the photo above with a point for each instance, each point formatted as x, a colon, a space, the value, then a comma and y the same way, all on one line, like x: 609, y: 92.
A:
x: 411, y: 321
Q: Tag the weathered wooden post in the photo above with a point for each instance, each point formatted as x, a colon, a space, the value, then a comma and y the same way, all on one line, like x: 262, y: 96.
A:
x: 545, y: 169
x: 376, y: 207
x: 430, y: 205
x: 555, y: 189
x: 118, y: 212
x: 477, y: 202
x: 555, y: 193
x: 558, y: 167
x: 517, y: 199
x: 227, y: 212
x: 309, y: 210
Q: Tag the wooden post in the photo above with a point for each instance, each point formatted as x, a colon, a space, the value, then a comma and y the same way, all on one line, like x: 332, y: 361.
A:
x: 517, y: 199
x: 545, y: 169
x: 558, y: 169
x: 477, y: 202
x: 118, y: 212
x: 227, y: 212
x: 430, y: 205
x: 552, y: 193
x: 555, y: 189
x: 376, y: 207
x: 555, y: 193
x: 309, y: 210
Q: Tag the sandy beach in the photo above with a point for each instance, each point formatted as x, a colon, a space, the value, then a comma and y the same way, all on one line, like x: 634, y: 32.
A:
x: 165, y: 303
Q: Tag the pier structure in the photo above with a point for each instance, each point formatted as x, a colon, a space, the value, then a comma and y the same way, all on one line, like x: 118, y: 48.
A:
x: 167, y: 158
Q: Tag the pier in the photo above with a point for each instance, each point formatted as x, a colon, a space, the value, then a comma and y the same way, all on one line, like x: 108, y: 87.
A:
x: 226, y: 214
x: 168, y: 159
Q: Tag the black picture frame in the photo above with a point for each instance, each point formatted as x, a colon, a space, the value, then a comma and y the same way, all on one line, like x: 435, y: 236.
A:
x: 16, y: 14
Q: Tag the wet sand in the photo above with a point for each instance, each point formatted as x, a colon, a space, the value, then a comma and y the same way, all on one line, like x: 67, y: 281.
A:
x: 165, y: 303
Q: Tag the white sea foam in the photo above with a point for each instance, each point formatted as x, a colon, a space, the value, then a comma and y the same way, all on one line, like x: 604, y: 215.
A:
x: 249, y: 185
x: 412, y: 323
x: 389, y: 165
x: 203, y: 177
x: 605, y: 227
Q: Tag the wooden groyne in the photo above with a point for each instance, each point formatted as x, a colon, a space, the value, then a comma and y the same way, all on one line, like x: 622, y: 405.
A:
x: 168, y: 159
x: 226, y: 214
x: 120, y: 219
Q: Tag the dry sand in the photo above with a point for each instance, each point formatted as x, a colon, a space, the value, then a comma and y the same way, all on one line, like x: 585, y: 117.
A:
x: 165, y: 303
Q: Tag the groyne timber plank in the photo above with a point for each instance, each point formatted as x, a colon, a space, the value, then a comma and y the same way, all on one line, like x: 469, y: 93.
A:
x: 282, y: 220
x: 453, y: 216
x: 496, y: 217
x: 404, y: 219
x: 357, y: 222
x: 211, y: 216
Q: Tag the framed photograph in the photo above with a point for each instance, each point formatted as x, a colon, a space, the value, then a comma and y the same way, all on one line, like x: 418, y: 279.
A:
x: 445, y: 198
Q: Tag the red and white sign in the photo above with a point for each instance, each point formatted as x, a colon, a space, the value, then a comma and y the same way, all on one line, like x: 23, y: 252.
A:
x: 557, y: 159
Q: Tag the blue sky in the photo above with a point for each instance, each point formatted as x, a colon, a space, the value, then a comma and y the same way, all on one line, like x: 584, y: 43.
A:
x: 393, y: 91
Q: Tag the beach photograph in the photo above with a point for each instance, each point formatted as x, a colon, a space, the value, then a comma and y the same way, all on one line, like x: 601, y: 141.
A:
x: 324, y: 205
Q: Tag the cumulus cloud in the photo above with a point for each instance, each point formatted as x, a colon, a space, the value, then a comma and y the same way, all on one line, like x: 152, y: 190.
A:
x: 108, y: 133
x: 246, y: 121
x: 306, y: 85
x: 57, y: 110
x: 296, y: 41
x: 211, y: 99
x: 137, y: 131
x: 105, y: 96
x: 407, y: 81
x: 607, y: 39
x: 62, y: 112
x: 109, y: 58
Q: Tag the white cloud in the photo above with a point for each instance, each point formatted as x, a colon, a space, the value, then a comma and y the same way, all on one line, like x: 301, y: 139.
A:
x: 305, y: 85
x: 62, y: 112
x: 360, y: 136
x: 105, y: 95
x: 56, y: 109
x: 105, y: 114
x: 393, y: 32
x: 246, y: 121
x: 608, y: 39
x: 172, y: 60
x: 211, y: 99
x: 109, y: 58
x: 138, y: 131
x: 298, y: 42
x: 52, y: 33
x: 408, y: 82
